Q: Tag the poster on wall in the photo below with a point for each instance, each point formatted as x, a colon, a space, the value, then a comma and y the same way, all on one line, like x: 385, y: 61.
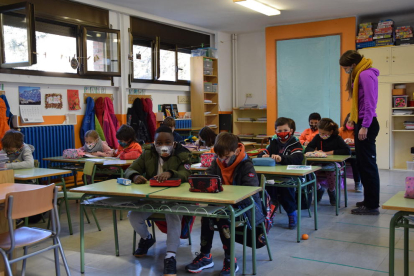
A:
x: 29, y: 95
x: 73, y: 100
x: 53, y: 101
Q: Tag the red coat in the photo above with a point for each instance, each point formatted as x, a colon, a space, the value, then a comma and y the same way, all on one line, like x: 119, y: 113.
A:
x: 151, y: 120
x: 4, y: 126
x: 111, y: 124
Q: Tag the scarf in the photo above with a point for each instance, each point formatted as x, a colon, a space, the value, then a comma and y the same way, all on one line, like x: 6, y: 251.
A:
x: 228, y: 172
x: 362, y: 66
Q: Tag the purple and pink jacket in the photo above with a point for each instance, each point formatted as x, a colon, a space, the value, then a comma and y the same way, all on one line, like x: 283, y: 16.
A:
x: 367, y: 96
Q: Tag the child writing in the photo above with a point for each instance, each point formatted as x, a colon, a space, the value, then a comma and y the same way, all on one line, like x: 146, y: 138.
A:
x: 206, y: 138
x: 95, y: 146
x: 170, y: 122
x: 20, y: 154
x: 129, y: 148
x: 347, y: 133
x: 235, y: 168
x: 162, y: 160
x: 309, y: 133
x: 285, y: 149
x: 329, y: 142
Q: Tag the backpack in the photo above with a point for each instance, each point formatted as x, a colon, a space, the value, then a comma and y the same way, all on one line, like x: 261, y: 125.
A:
x: 187, y: 223
x: 73, y: 153
x: 269, y: 209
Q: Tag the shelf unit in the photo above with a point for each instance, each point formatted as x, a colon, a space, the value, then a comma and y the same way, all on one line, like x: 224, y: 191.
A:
x: 198, y: 95
x: 250, y: 127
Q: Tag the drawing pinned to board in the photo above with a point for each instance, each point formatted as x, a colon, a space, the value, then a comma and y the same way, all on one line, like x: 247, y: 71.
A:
x: 53, y: 101
x: 29, y: 95
x: 73, y: 100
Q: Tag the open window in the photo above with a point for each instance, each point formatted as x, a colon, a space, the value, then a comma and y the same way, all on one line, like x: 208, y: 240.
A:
x: 17, y: 35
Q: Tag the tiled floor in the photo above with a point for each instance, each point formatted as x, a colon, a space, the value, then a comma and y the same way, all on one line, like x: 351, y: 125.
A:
x: 343, y: 245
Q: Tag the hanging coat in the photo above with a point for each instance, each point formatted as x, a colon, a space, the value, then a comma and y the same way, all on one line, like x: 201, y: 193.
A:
x: 111, y: 124
x: 9, y: 115
x: 99, y: 129
x: 151, y: 120
x: 135, y: 116
x: 88, y: 122
x: 99, y: 110
x: 4, y: 126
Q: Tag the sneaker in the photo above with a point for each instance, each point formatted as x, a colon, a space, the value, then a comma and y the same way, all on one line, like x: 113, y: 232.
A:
x: 332, y: 197
x: 200, y: 262
x: 143, y: 246
x: 360, y: 204
x: 170, y: 267
x: 292, y: 220
x: 226, y: 267
x: 365, y: 211
x: 320, y: 193
x: 358, y: 187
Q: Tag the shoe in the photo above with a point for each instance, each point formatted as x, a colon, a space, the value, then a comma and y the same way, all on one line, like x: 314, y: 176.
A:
x: 200, y: 262
x: 170, y: 267
x: 143, y: 246
x: 365, y: 211
x: 320, y: 193
x: 226, y: 267
x: 292, y: 220
x: 360, y: 204
x: 358, y: 187
x: 332, y: 197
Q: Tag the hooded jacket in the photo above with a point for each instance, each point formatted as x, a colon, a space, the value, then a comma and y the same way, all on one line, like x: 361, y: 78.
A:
x: 147, y: 164
x: 99, y: 110
x: 9, y: 115
x: 291, y: 152
x: 307, y: 135
x: 88, y: 122
x: 4, y: 126
x: 111, y: 124
x: 22, y: 161
x: 133, y: 151
x: 135, y: 118
x: 367, y: 96
x: 335, y: 143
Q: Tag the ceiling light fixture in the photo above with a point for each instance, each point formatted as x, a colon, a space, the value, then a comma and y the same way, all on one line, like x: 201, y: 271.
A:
x: 257, y: 6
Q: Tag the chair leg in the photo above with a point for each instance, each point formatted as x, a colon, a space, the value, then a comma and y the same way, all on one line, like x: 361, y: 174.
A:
x: 115, y: 233
x: 43, y: 218
x: 189, y: 234
x: 306, y: 198
x: 65, y: 263
x: 96, y: 220
x: 153, y: 230
x: 121, y: 217
x: 56, y: 252
x: 267, y: 242
x: 244, y: 247
x: 134, y: 242
x: 6, y: 262
x: 24, y: 261
x: 86, y: 215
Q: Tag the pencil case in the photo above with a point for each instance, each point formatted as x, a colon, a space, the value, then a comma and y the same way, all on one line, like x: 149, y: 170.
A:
x: 205, y: 183
x: 172, y: 182
x: 123, y: 181
x: 265, y: 161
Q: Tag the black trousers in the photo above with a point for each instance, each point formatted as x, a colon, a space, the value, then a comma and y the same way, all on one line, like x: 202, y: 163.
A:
x: 366, y: 155
x: 355, y: 170
x: 207, y: 234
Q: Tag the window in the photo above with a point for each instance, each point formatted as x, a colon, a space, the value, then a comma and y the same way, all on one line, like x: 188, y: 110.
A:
x: 161, y: 53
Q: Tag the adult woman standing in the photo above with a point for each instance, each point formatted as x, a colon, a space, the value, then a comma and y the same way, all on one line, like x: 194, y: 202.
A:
x: 363, y: 90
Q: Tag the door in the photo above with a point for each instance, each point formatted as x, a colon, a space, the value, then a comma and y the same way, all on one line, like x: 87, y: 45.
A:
x: 383, y: 116
x: 402, y: 60
x: 381, y: 58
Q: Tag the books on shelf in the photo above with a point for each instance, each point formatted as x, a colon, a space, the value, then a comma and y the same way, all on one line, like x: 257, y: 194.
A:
x: 249, y: 136
x: 262, y: 119
x: 409, y: 125
x: 245, y: 119
x: 208, y: 101
x: 402, y: 112
x: 212, y: 126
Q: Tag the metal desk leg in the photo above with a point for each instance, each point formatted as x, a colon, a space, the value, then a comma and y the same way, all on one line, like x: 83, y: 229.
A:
x: 253, y: 223
x: 67, y: 206
x: 393, y: 224
x: 299, y: 211
x: 82, y: 238
x: 345, y: 186
x: 232, y: 238
x: 115, y: 233
x: 406, y: 247
x: 338, y: 189
x: 315, y: 202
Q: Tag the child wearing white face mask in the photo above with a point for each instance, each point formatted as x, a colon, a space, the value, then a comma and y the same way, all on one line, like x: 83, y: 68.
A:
x: 162, y: 160
x: 329, y: 142
x: 95, y: 146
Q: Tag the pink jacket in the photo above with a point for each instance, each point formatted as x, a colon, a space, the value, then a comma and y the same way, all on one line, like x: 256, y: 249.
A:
x: 110, y: 124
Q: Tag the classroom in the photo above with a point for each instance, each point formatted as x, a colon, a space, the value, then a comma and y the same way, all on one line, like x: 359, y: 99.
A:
x: 132, y: 131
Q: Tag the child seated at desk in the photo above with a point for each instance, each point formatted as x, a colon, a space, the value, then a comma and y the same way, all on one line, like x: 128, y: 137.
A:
x: 329, y: 142
x: 235, y: 168
x: 285, y: 149
x: 95, y: 146
x: 20, y: 154
x: 162, y: 160
x: 347, y: 133
x: 309, y: 133
x: 129, y: 148
x: 206, y: 138
x: 170, y: 122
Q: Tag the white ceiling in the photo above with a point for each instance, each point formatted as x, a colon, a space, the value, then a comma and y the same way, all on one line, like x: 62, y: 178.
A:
x: 224, y: 15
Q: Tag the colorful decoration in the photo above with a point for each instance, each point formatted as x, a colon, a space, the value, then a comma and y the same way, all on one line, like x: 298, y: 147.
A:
x: 73, y: 100
x: 53, y: 101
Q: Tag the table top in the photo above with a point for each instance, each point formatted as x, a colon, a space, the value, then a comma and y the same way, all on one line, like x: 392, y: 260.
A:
x: 330, y: 158
x: 35, y: 173
x: 97, y: 160
x: 399, y: 203
x: 197, y: 167
x: 6, y: 188
x: 112, y: 188
x: 247, y: 144
x: 282, y: 170
x: 200, y: 152
x: 231, y: 194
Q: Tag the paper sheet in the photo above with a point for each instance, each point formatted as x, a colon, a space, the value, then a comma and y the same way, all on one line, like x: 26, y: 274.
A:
x: 299, y: 167
x: 31, y: 114
x: 114, y: 162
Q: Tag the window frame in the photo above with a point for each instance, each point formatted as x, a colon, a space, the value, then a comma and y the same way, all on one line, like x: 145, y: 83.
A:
x: 31, y: 35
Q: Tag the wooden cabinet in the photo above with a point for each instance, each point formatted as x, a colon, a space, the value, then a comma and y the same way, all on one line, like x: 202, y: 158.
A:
x: 383, y: 116
x: 381, y: 58
x: 204, y: 98
x: 252, y: 130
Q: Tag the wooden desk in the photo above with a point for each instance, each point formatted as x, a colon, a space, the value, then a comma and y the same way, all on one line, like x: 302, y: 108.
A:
x: 333, y: 159
x: 230, y: 196
x: 405, y: 208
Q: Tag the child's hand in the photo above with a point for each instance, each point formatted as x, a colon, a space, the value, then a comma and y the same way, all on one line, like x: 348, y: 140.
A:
x: 139, y: 179
x: 265, y: 155
x: 162, y: 177
x: 277, y: 158
x: 306, y: 143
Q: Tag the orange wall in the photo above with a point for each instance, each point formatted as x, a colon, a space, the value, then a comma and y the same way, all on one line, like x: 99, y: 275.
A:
x: 345, y: 27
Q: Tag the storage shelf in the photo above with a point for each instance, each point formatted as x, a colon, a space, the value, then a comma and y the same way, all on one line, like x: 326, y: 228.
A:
x: 214, y: 76
x: 411, y: 107
x: 252, y: 122
x: 210, y: 115
x: 402, y: 115
x: 210, y: 103
x: 215, y: 93
x: 403, y: 130
x: 238, y: 108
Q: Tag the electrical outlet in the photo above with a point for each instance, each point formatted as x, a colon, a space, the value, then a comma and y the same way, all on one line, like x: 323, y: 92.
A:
x: 183, y: 99
x: 249, y: 95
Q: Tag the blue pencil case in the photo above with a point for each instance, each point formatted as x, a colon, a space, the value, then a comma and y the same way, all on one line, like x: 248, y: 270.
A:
x: 266, y: 161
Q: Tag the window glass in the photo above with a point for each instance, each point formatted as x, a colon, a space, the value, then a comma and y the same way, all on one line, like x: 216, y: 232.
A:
x: 142, y: 57
x: 167, y: 65
x: 184, y: 66
x: 102, y: 51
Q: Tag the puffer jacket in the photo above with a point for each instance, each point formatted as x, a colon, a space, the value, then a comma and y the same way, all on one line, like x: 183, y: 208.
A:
x: 111, y: 124
x: 88, y: 122
x: 4, y: 125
